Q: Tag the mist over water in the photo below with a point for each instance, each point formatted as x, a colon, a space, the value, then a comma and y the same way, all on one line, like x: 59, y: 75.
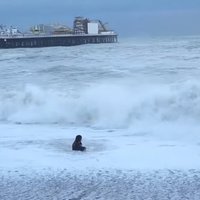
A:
x: 137, y: 81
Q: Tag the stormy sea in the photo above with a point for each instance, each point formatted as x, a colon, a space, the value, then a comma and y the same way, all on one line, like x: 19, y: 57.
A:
x: 136, y: 104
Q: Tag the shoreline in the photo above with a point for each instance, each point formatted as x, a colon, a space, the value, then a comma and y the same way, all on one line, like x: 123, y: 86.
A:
x: 100, y: 184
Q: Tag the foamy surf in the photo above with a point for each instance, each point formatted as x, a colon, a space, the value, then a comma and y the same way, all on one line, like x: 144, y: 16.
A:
x: 135, y: 103
x: 103, y: 105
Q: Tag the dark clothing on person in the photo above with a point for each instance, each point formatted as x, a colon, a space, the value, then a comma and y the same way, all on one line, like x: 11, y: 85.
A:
x: 77, y: 145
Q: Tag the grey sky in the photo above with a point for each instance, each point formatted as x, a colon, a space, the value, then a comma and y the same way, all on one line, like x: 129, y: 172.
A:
x: 127, y: 17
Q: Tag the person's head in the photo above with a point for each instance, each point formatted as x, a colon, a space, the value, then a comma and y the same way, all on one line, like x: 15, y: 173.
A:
x: 78, y: 138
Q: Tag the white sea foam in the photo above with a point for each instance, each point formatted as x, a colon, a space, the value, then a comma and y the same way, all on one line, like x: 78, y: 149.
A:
x: 103, y: 105
x: 136, y: 103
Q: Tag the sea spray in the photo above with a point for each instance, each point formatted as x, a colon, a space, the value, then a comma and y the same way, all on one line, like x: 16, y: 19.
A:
x: 103, y: 105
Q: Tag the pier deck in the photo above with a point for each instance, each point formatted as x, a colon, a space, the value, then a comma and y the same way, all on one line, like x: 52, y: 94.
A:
x: 31, y: 41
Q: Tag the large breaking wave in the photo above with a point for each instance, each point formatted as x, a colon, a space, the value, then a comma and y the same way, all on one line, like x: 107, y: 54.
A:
x: 103, y: 105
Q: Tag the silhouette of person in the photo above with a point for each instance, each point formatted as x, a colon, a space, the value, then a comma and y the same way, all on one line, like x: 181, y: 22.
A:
x: 77, y: 144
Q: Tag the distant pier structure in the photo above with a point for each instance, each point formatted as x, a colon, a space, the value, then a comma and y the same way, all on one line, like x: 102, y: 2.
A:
x: 84, y: 31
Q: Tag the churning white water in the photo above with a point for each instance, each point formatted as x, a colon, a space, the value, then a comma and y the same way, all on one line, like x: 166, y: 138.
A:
x: 136, y: 104
x: 104, y: 86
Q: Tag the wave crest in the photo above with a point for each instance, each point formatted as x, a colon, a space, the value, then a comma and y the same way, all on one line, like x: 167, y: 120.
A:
x: 104, y: 105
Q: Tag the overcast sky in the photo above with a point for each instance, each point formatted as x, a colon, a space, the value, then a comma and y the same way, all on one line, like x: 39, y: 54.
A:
x: 127, y: 17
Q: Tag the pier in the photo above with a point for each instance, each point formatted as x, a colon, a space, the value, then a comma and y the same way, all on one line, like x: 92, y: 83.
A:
x: 84, y: 31
x: 47, y: 41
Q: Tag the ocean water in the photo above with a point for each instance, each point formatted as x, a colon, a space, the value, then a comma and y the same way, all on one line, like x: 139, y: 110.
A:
x: 136, y: 104
x: 102, y: 86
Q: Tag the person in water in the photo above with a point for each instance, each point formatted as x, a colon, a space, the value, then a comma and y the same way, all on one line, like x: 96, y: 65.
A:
x: 77, y: 144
